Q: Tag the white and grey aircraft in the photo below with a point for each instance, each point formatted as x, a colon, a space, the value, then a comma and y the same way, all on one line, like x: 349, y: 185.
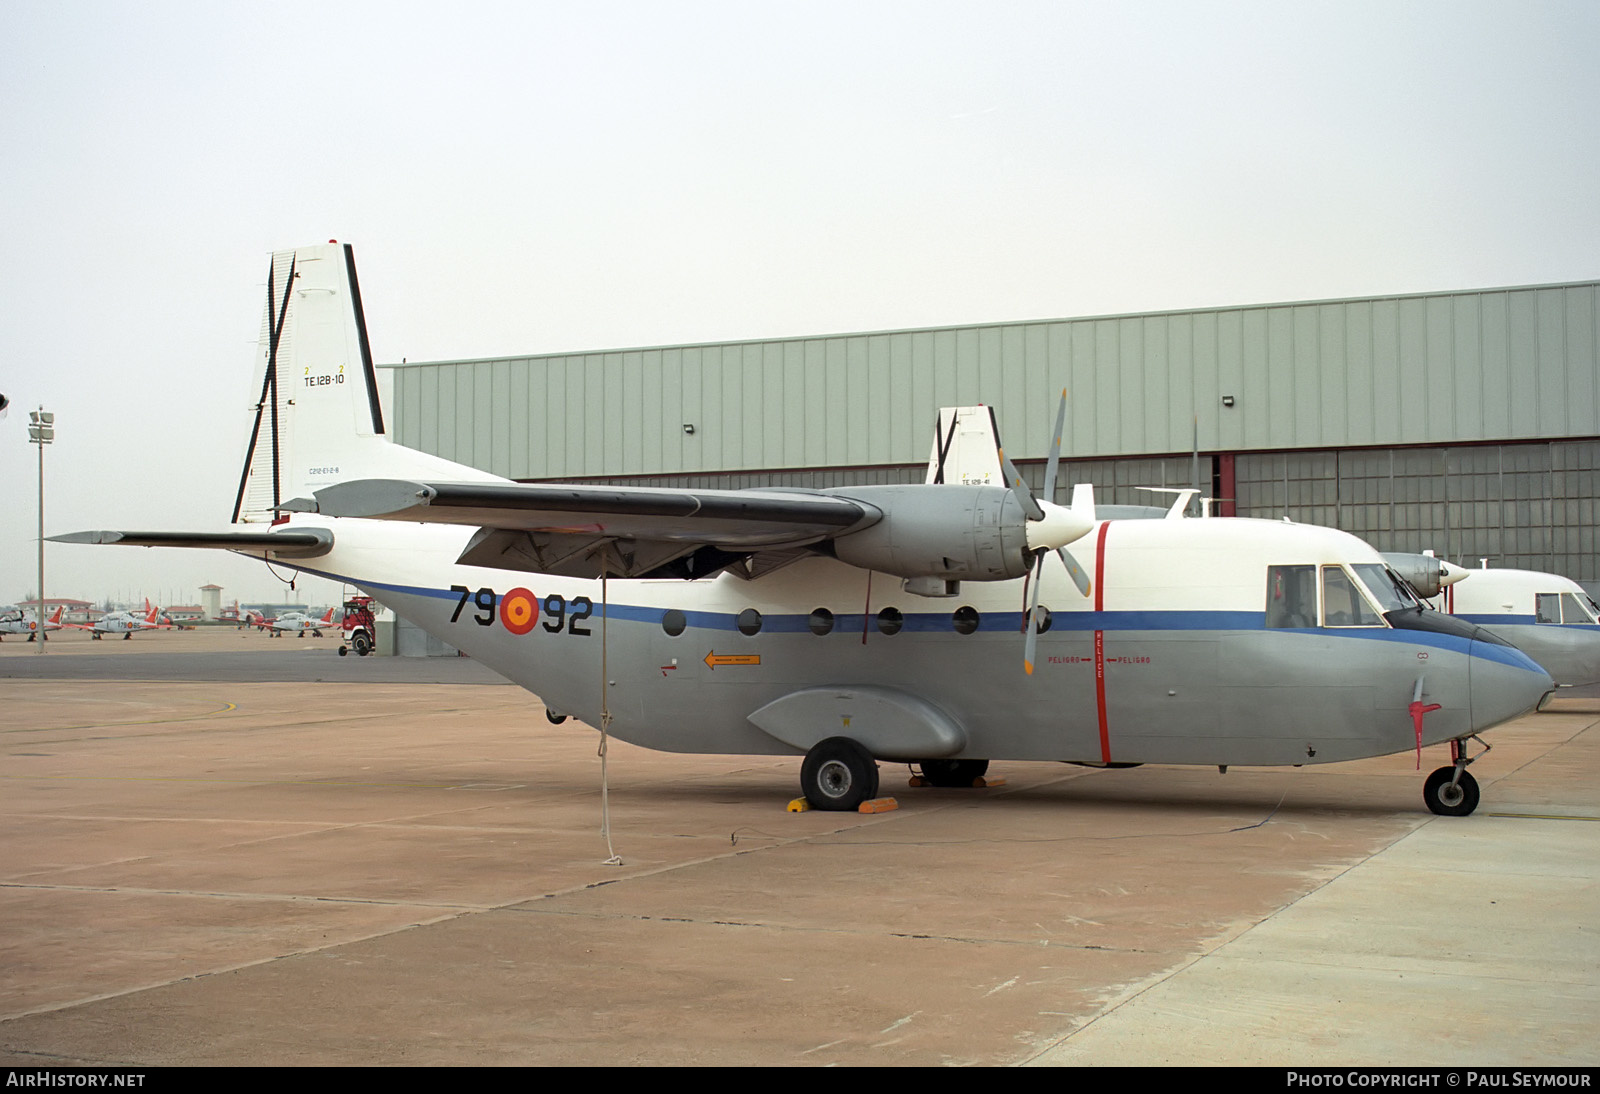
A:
x: 18, y: 621
x: 299, y: 624
x: 123, y: 623
x: 1549, y: 617
x: 855, y: 624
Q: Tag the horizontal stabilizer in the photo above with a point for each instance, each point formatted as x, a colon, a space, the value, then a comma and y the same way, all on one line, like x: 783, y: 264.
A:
x: 303, y: 543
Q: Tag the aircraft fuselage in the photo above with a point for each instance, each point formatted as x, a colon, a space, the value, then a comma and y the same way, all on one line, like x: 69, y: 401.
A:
x: 1171, y: 659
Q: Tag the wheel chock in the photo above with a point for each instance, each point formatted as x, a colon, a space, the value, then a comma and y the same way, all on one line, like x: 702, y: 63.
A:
x: 989, y: 780
x: 916, y: 780
x: 876, y: 805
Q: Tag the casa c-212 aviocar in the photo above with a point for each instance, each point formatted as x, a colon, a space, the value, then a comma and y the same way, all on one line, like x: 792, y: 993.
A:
x: 943, y: 625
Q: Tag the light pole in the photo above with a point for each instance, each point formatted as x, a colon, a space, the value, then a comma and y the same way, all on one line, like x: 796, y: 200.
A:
x: 41, y: 432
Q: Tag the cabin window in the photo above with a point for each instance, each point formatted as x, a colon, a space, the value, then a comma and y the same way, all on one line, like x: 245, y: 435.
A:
x: 890, y: 621
x: 1291, y: 596
x: 965, y: 619
x: 821, y: 621
x: 1546, y: 607
x: 1343, y: 603
x: 749, y: 621
x: 673, y: 622
x: 1045, y: 619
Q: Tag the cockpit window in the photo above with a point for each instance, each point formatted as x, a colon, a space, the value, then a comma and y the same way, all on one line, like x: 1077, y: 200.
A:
x: 1343, y: 604
x: 1546, y: 607
x: 1387, y: 589
x: 1291, y: 596
x: 1573, y: 610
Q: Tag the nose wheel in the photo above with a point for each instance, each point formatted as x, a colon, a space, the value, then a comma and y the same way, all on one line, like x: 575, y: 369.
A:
x: 1452, y: 791
x: 1450, y: 795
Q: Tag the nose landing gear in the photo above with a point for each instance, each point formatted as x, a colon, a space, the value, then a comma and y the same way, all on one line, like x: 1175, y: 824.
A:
x: 1452, y: 791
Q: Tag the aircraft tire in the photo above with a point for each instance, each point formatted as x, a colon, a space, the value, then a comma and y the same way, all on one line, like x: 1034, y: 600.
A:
x: 956, y: 773
x: 553, y: 718
x: 1447, y: 801
x: 838, y: 775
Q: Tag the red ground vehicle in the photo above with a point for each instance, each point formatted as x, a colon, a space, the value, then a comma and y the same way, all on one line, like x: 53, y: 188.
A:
x: 360, y: 629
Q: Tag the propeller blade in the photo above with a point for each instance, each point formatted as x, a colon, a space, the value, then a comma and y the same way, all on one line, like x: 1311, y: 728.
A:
x: 1031, y: 620
x: 1030, y: 504
x: 1053, y: 526
x: 1074, y: 571
x: 1055, y: 450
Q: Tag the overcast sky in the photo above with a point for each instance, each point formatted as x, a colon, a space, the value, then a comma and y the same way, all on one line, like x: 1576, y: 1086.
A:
x: 532, y: 177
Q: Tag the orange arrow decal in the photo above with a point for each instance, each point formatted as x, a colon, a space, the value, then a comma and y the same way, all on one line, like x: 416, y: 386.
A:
x: 713, y: 659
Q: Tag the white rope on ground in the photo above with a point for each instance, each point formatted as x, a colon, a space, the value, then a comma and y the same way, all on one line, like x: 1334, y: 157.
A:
x: 605, y: 724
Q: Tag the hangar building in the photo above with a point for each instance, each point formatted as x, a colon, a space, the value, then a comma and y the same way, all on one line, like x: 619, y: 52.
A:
x: 1463, y: 422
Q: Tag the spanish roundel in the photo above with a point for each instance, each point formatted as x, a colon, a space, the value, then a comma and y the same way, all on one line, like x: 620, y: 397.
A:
x: 519, y: 611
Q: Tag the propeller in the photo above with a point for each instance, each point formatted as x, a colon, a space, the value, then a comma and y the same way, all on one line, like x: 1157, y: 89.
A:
x: 1051, y: 527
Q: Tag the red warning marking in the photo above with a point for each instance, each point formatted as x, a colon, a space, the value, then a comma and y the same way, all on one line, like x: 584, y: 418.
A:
x: 1100, y: 643
x: 519, y: 611
x: 1417, y: 710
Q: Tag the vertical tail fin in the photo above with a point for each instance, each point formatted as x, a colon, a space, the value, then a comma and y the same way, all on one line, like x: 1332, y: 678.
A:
x: 966, y: 447
x: 317, y: 415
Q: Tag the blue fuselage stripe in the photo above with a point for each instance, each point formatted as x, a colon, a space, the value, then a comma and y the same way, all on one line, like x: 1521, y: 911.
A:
x: 1519, y: 621
x: 1011, y: 622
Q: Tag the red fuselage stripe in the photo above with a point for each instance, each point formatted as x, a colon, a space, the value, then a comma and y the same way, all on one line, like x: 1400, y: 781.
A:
x: 1100, y: 642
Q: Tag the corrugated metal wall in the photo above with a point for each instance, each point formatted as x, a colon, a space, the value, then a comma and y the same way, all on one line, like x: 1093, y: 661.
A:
x: 1522, y: 506
x: 1444, y: 368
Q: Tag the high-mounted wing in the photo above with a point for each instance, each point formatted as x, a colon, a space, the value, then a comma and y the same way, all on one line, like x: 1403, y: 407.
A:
x: 731, y: 517
x: 584, y: 531
x: 951, y: 533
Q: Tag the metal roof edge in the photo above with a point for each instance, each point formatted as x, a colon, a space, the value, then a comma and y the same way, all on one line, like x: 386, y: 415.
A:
x: 998, y: 324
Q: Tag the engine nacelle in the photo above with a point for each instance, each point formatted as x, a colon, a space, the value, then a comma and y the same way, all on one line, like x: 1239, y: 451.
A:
x: 962, y: 533
x: 1424, y: 573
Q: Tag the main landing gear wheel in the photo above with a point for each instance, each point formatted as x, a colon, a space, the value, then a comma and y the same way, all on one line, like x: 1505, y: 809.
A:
x: 1447, y: 800
x: 957, y: 773
x: 553, y: 718
x: 838, y: 775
